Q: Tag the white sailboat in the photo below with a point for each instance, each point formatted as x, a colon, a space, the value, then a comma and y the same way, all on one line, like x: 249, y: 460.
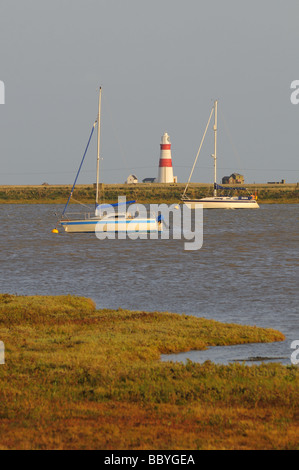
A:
x: 215, y: 201
x: 107, y: 218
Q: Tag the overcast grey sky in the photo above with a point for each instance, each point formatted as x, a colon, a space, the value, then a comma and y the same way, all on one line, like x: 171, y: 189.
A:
x: 161, y: 64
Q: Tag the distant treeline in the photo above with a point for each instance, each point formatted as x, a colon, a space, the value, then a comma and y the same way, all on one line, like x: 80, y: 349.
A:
x: 142, y: 193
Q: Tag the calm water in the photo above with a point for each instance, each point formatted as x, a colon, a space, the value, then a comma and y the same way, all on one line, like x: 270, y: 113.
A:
x: 246, y: 271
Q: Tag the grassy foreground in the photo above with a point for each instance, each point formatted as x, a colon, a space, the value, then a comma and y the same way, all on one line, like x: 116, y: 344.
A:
x: 143, y: 193
x: 76, y: 377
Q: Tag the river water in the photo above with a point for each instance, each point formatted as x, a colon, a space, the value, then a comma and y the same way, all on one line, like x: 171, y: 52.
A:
x: 246, y: 271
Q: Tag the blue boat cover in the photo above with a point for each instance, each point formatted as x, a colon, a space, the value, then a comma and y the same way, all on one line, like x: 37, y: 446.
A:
x: 217, y: 186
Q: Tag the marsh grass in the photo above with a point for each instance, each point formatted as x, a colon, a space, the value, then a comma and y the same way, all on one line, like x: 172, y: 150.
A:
x: 143, y: 193
x: 77, y: 377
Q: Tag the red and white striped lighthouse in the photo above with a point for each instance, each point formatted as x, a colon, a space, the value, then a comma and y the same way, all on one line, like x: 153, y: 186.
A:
x: 165, y: 165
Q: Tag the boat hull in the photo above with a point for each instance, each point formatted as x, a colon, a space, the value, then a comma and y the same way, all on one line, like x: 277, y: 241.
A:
x: 111, y: 226
x: 222, y: 203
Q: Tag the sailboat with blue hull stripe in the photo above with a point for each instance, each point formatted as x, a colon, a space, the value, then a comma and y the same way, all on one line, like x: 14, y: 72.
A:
x: 107, y: 218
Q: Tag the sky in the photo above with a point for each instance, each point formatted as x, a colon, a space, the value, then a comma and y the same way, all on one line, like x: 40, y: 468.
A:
x: 161, y: 64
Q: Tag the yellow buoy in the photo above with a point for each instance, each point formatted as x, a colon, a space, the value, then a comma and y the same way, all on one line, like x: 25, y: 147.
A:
x: 55, y: 230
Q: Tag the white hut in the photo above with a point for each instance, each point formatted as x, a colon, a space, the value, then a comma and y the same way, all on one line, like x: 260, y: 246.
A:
x: 132, y: 179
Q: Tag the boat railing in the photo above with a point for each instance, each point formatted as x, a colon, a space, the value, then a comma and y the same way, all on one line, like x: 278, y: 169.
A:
x: 70, y: 216
x: 77, y: 216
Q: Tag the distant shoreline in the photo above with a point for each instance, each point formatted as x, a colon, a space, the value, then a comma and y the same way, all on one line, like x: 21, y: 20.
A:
x: 144, y: 193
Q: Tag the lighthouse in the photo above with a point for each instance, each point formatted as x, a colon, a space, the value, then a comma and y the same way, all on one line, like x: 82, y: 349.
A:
x: 165, y: 166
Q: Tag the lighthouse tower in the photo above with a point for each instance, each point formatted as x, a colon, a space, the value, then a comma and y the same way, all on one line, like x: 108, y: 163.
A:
x: 165, y: 165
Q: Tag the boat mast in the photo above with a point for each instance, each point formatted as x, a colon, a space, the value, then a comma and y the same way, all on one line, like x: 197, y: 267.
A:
x: 98, y: 149
x: 215, y: 149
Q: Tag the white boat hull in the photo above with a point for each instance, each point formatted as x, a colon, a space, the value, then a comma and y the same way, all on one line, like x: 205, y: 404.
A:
x: 222, y: 203
x: 111, y: 226
x: 218, y: 202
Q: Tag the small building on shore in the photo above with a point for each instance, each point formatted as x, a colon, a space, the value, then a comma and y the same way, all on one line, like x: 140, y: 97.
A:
x: 277, y: 182
x: 234, y: 178
x: 149, y: 180
x: 132, y: 179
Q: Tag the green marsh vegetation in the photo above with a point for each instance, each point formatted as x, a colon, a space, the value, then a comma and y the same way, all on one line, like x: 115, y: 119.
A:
x: 143, y: 193
x: 76, y: 377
